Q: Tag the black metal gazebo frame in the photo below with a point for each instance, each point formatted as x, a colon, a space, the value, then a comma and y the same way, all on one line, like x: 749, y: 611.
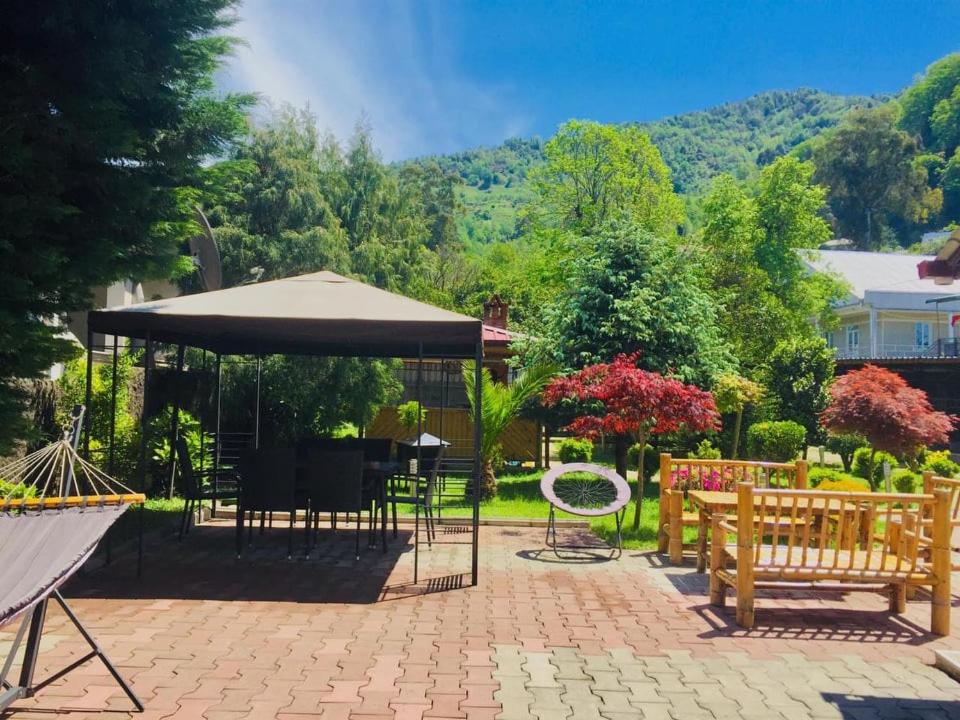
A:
x: 322, y: 315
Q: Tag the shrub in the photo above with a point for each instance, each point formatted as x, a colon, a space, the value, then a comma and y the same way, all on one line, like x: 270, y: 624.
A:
x: 818, y: 475
x: 940, y: 463
x: 848, y: 485
x: 845, y: 446
x: 706, y: 451
x: 905, y: 481
x: 575, y: 450
x: 861, y: 462
x: 776, y: 441
x: 409, y: 413
x: 651, y: 458
x: 16, y: 491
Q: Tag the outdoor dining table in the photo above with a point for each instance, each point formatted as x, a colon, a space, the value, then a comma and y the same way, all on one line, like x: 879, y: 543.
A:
x: 708, y: 502
x: 376, y: 473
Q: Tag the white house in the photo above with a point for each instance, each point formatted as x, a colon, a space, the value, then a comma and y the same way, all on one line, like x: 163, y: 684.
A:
x: 889, y: 311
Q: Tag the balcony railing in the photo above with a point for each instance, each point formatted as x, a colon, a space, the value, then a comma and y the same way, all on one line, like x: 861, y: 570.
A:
x: 942, y: 348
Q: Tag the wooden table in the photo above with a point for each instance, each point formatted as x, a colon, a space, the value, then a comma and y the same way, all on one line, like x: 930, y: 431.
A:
x: 708, y: 502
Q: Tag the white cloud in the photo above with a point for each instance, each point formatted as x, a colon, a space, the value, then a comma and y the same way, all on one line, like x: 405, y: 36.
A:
x: 393, y: 63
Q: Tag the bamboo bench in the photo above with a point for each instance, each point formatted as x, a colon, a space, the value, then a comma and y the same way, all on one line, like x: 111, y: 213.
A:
x: 678, y: 475
x: 818, y: 557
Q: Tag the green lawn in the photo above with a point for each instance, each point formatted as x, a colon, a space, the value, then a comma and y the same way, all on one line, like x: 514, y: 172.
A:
x: 518, y: 496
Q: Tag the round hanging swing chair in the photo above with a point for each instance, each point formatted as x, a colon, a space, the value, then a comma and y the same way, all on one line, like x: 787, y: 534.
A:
x: 587, y: 490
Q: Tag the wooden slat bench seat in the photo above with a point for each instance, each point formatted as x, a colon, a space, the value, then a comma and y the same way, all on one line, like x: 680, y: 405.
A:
x: 819, y: 555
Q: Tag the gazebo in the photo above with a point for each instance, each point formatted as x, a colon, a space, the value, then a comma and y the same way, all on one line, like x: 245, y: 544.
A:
x: 319, y: 314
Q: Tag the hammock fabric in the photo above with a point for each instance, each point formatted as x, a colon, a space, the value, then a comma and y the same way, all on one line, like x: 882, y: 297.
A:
x: 40, y: 550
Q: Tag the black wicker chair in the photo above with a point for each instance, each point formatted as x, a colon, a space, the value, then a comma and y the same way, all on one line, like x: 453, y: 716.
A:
x: 199, y: 485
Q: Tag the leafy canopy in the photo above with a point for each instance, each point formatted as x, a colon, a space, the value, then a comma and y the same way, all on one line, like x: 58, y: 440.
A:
x: 750, y: 249
x: 798, y: 376
x: 109, y: 110
x: 879, y: 405
x: 629, y: 291
x: 594, y: 173
x: 872, y: 171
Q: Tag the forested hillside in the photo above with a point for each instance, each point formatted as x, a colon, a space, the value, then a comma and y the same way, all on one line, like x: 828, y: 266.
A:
x: 734, y: 138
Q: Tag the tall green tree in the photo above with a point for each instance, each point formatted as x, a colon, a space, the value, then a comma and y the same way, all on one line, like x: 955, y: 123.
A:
x: 750, y: 249
x: 628, y: 290
x: 871, y: 168
x: 275, y: 221
x: 798, y: 376
x: 108, y: 112
x: 931, y: 106
x: 595, y: 173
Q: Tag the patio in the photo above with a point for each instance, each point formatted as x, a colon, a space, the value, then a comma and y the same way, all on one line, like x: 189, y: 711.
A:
x: 202, y: 635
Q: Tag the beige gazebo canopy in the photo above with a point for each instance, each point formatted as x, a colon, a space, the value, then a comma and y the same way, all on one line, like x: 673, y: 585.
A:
x: 317, y: 314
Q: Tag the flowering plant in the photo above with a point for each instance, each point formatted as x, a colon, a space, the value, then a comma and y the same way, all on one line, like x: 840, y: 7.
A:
x: 703, y: 479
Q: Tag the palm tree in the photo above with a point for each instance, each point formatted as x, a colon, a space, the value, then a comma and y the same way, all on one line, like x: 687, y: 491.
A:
x: 500, y: 405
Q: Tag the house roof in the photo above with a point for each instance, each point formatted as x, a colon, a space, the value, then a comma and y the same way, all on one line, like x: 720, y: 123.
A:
x: 887, y: 280
x: 317, y: 314
x: 492, y: 335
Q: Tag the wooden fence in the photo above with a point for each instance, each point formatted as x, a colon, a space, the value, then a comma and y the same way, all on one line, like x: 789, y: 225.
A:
x: 520, y: 440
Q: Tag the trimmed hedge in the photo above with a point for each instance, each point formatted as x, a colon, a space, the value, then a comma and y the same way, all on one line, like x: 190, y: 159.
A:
x: 940, y: 463
x: 905, y: 481
x: 861, y: 459
x: 573, y: 450
x: 775, y: 441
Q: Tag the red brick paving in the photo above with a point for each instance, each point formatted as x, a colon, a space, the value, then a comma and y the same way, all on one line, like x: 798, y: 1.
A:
x: 207, y: 635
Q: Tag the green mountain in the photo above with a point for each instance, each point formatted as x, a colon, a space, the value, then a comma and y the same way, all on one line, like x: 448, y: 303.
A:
x: 734, y: 138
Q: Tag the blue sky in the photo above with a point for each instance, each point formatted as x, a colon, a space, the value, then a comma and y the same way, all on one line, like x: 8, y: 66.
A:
x: 436, y: 77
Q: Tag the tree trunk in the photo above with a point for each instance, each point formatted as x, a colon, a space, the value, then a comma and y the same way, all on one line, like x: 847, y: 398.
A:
x: 871, y: 466
x: 641, y: 474
x: 869, y: 229
x: 735, y: 445
x: 620, y: 448
x: 488, y: 482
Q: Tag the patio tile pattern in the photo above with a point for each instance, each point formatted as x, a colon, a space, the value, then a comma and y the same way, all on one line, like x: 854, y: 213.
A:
x: 205, y: 635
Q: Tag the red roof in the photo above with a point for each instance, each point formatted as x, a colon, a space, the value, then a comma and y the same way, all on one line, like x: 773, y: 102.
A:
x: 496, y: 336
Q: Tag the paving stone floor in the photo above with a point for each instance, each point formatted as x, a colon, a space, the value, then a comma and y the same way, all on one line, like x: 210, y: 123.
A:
x: 204, y: 635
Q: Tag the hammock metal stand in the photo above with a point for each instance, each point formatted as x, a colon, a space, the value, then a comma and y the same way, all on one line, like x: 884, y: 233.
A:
x: 32, y: 626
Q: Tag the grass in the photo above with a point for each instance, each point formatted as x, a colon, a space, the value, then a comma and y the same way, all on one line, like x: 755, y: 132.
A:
x: 518, y: 496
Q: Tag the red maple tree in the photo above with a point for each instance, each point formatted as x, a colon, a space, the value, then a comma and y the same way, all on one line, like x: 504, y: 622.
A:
x: 879, y: 405
x: 632, y: 404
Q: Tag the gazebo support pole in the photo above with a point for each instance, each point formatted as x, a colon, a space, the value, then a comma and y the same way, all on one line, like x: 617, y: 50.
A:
x: 113, y: 407
x: 203, y: 409
x: 256, y: 426
x: 477, y: 457
x: 216, y: 436
x: 416, y: 477
x: 144, y: 431
x: 108, y: 541
x: 175, y: 418
x: 88, y: 398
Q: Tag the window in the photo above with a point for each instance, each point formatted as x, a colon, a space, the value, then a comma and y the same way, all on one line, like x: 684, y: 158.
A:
x: 831, y: 340
x: 853, y: 336
x: 921, y: 334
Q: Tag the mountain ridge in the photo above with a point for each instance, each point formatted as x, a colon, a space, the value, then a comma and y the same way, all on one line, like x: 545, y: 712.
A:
x: 736, y: 137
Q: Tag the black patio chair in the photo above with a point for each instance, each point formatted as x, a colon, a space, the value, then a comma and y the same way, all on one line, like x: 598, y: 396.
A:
x: 199, y: 485
x: 334, y: 484
x: 421, y: 494
x: 268, y: 483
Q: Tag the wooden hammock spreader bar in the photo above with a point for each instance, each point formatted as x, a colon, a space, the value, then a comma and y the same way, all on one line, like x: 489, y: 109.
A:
x: 53, y: 503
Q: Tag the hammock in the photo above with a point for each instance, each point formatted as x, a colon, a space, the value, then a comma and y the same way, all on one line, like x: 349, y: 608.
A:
x: 54, y: 509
